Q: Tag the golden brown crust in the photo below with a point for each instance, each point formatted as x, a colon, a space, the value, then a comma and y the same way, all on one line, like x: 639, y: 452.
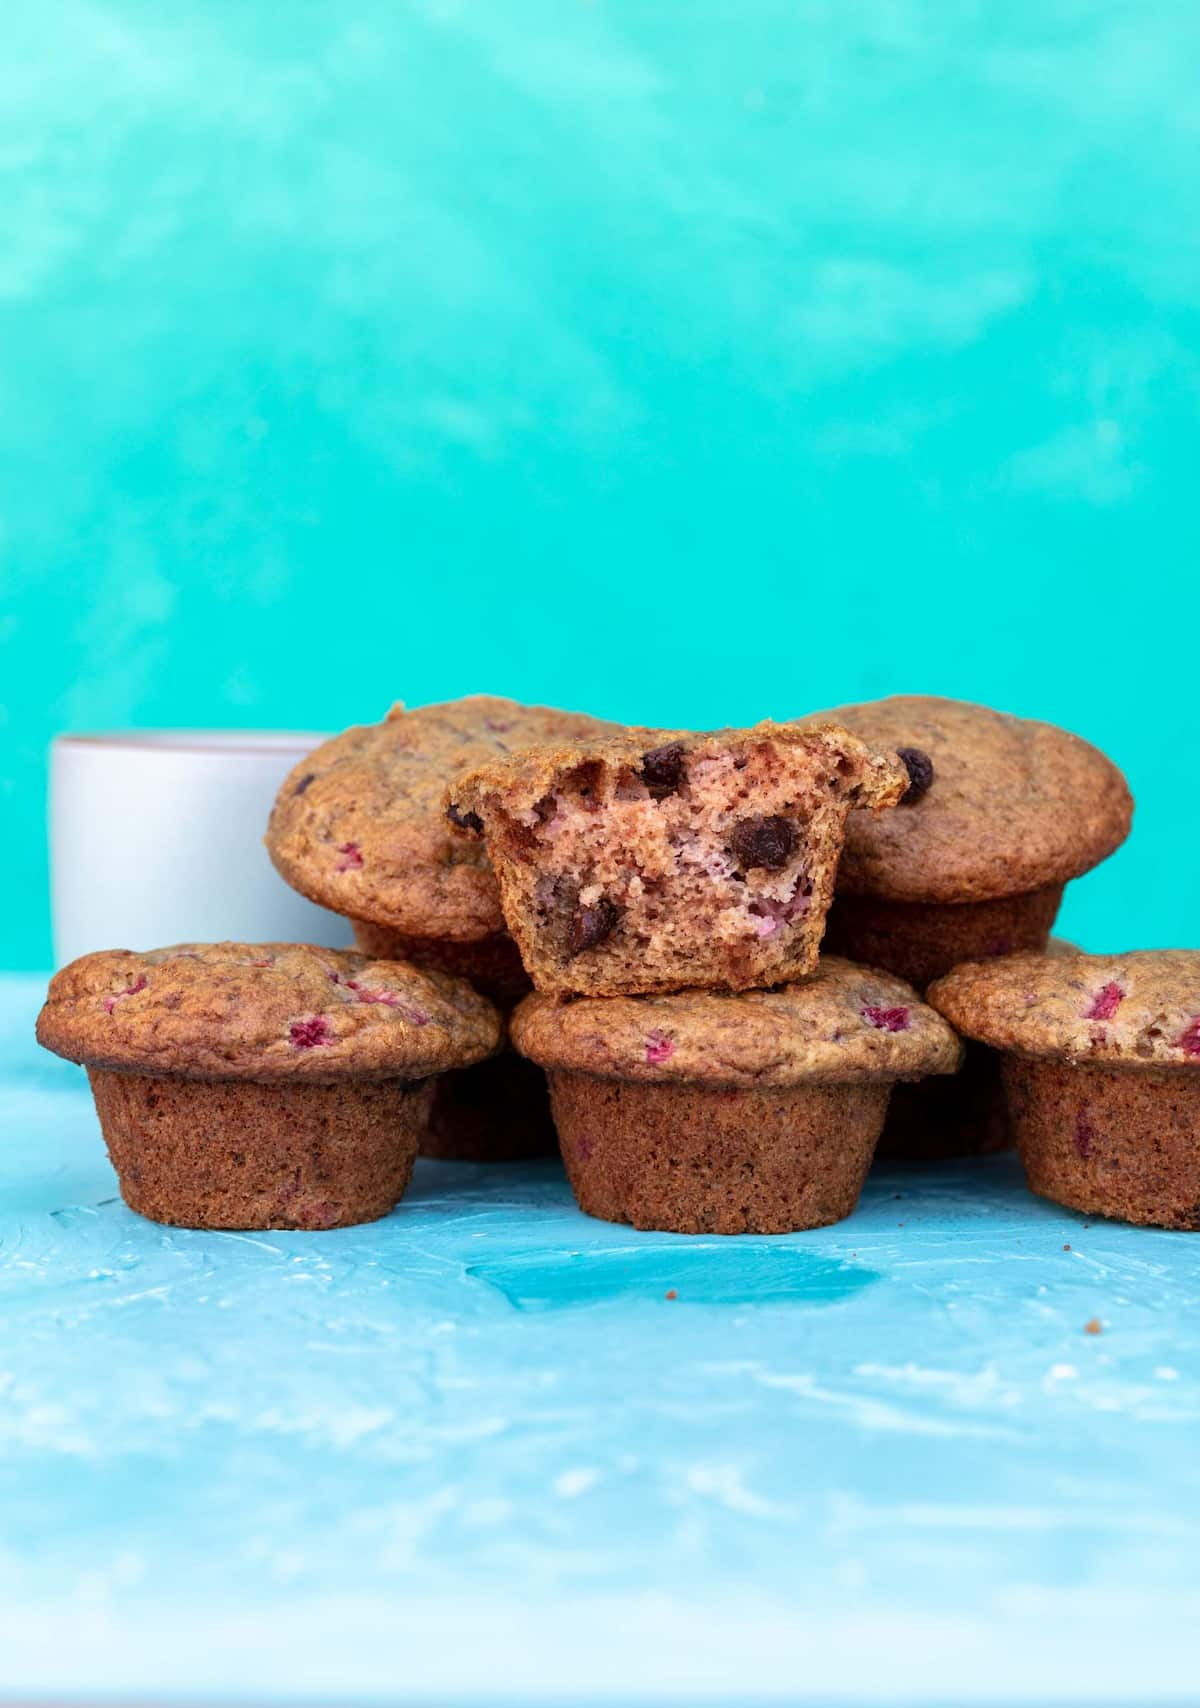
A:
x: 264, y: 1011
x: 1141, y: 1010
x: 523, y: 778
x: 846, y: 1023
x: 1014, y: 805
x: 359, y: 826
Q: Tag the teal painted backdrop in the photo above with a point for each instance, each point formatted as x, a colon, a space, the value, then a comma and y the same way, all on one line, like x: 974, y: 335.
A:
x: 685, y: 361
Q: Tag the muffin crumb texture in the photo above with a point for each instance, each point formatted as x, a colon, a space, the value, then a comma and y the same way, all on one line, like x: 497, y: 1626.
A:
x: 699, y: 860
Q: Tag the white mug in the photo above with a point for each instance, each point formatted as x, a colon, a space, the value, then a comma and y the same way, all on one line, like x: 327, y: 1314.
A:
x: 156, y: 837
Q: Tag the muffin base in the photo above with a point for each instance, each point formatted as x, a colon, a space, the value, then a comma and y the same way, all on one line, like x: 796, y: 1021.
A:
x: 492, y: 964
x: 498, y: 1111
x: 201, y: 1153
x: 1119, y: 1142
x: 697, y: 1159
x: 919, y: 941
x: 949, y: 1115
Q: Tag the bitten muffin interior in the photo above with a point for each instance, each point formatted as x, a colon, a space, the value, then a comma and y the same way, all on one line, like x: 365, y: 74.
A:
x: 718, y: 858
x: 725, y: 848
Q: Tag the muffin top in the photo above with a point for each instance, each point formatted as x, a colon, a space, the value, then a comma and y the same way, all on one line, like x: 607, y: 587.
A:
x: 651, y: 763
x: 1142, y: 1009
x: 845, y: 1023
x: 997, y: 805
x: 264, y: 1011
x: 360, y: 825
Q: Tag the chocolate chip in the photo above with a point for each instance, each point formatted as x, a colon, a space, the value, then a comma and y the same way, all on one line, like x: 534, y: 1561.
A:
x: 591, y: 925
x: 768, y: 842
x: 920, y: 774
x: 310, y: 777
x: 662, y: 769
x: 464, y: 820
x: 576, y: 927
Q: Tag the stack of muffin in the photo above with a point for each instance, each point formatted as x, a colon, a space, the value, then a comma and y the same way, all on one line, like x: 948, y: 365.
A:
x: 668, y: 899
x: 665, y: 894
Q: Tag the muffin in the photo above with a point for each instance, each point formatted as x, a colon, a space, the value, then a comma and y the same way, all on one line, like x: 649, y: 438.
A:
x: 705, y: 861
x: 1101, y: 1068
x: 705, y: 1112
x: 269, y: 1085
x: 1000, y: 813
x: 359, y: 826
x: 496, y: 1112
x: 963, y: 1114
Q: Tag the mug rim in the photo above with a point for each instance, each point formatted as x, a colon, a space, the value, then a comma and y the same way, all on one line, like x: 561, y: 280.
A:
x: 255, y: 742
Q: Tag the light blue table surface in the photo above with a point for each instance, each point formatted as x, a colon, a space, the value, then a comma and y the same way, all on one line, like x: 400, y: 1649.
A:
x: 474, y: 1453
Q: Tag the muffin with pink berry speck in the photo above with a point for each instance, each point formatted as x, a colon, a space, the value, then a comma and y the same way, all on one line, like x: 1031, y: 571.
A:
x: 963, y: 1113
x: 270, y: 1085
x: 360, y: 827
x: 1000, y: 814
x: 711, y: 1112
x: 1100, y: 1056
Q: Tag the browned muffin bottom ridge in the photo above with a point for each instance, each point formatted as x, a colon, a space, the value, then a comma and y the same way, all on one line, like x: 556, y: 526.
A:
x: 498, y: 1111
x: 1109, y: 1140
x: 944, y: 1118
x: 263, y: 1085
x: 239, y: 1154
x: 919, y: 941
x: 702, y: 1159
x: 708, y: 1112
x: 491, y: 964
